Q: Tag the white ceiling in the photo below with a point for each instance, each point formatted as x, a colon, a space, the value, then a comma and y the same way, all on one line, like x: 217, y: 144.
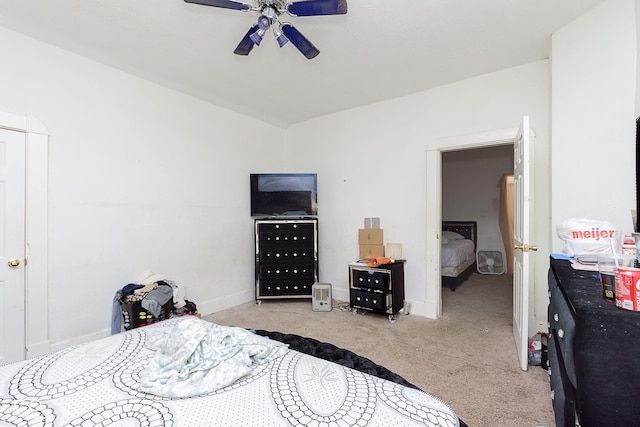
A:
x: 380, y: 50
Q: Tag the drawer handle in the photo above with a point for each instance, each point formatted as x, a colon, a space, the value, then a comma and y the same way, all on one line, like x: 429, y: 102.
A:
x: 561, y: 333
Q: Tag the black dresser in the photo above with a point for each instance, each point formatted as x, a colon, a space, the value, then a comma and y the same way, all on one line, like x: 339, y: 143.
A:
x: 594, y: 352
x: 286, y: 257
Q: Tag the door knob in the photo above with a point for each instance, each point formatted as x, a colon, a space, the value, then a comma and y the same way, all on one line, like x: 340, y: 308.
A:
x: 14, y: 262
x: 526, y: 248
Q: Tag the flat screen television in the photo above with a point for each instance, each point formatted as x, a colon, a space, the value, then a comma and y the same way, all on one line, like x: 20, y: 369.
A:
x: 284, y: 194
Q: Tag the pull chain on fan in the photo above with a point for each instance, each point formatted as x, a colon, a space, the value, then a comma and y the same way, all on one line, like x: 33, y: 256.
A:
x: 270, y: 12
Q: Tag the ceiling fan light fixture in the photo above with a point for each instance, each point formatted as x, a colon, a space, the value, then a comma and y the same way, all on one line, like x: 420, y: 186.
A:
x: 280, y: 38
x: 264, y: 22
x: 256, y: 37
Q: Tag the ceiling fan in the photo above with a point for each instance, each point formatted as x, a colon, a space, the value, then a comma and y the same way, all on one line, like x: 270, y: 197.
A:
x: 270, y: 12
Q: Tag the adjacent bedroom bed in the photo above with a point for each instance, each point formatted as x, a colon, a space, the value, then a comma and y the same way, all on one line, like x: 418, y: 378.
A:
x: 189, y: 372
x: 457, y: 252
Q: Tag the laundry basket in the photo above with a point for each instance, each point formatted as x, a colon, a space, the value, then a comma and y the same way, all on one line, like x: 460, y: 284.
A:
x: 134, y: 315
x: 489, y: 262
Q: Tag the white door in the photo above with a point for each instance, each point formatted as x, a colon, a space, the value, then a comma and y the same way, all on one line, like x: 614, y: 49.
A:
x: 522, y: 224
x: 12, y: 245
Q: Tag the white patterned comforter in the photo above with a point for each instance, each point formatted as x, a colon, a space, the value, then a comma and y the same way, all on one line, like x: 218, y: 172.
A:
x: 98, y: 384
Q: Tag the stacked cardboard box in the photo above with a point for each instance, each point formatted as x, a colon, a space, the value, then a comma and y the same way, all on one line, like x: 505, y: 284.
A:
x: 371, y: 239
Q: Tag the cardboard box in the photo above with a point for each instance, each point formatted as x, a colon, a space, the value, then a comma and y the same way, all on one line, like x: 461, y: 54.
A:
x: 370, y: 236
x: 369, y: 251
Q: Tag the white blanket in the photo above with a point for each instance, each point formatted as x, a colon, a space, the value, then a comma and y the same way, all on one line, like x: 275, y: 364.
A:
x: 196, y: 357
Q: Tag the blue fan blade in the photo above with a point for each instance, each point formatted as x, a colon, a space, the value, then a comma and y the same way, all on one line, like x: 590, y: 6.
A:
x: 318, y: 7
x: 246, y: 44
x: 226, y: 4
x: 305, y: 46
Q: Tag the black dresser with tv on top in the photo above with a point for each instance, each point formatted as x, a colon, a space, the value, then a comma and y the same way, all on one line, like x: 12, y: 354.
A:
x: 286, y: 263
x: 594, y: 352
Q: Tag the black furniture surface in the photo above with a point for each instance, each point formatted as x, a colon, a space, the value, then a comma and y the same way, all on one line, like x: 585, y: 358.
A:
x: 286, y: 264
x: 594, y: 350
x: 379, y: 289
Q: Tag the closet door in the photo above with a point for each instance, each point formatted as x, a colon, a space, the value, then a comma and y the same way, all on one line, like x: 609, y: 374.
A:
x: 12, y: 245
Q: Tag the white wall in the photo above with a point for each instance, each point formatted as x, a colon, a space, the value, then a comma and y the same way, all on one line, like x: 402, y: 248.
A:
x: 371, y: 161
x: 593, y: 116
x: 470, y: 190
x: 141, y: 179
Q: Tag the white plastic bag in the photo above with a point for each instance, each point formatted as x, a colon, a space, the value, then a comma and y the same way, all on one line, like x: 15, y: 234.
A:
x: 586, y: 236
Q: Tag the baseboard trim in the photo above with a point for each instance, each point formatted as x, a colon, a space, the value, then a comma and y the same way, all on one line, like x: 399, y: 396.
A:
x: 421, y: 308
x: 214, y: 305
x: 418, y: 308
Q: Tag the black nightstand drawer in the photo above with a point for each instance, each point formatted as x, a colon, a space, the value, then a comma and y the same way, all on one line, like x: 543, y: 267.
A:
x: 368, y: 300
x: 371, y: 279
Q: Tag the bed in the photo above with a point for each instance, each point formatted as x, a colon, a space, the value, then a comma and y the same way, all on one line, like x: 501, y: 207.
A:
x: 458, y: 252
x: 308, y: 383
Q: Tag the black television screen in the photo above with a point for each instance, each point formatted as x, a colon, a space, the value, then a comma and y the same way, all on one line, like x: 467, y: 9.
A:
x: 284, y: 194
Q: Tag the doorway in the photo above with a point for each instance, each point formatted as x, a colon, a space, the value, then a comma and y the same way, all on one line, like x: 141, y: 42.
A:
x: 433, y: 303
x: 471, y: 191
x: 33, y: 255
x: 522, y: 139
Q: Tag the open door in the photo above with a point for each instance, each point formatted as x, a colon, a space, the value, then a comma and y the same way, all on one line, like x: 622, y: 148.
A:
x: 522, y: 231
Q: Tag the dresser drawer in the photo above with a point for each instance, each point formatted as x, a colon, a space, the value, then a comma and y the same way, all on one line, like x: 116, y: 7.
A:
x: 368, y: 300
x: 286, y: 239
x: 563, y: 326
x: 553, y: 283
x: 370, y: 279
x: 284, y: 272
x: 286, y: 255
x: 274, y: 288
x: 563, y: 395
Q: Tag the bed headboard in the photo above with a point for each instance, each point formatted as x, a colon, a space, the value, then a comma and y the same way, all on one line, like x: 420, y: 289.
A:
x: 468, y: 229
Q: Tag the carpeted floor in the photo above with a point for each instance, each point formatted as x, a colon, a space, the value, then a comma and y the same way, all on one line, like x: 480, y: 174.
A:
x: 467, y: 357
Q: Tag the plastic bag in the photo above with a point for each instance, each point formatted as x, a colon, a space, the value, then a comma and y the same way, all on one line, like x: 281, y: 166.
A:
x: 586, y: 236
x: 537, y: 350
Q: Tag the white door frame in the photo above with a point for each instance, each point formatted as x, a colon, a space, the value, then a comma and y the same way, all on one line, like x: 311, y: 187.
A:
x: 36, y: 231
x: 433, y: 303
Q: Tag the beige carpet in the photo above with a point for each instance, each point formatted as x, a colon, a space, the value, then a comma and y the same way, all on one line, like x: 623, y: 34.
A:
x: 466, y: 358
